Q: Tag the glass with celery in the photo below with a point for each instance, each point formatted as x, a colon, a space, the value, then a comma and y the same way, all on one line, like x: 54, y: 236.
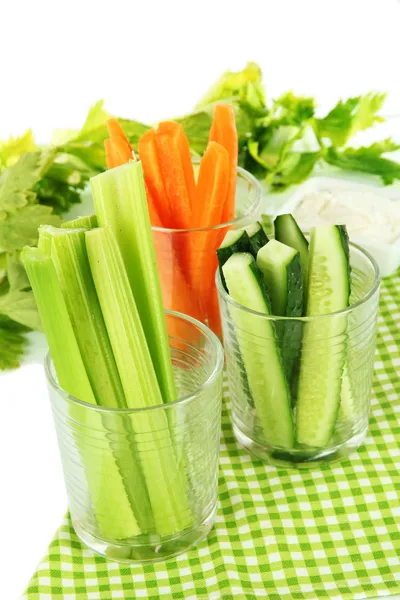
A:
x: 136, y: 395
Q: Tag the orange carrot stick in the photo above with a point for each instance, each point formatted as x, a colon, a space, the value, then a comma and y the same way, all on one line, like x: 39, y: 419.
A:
x: 115, y: 130
x: 177, y: 173
x: 213, y: 314
x: 152, y: 175
x: 223, y: 130
x: 212, y: 187
x: 118, y: 152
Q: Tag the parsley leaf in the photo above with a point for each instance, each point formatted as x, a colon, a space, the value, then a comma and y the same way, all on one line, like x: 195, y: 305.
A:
x: 11, y: 150
x: 367, y: 160
x: 17, y: 181
x: 12, y: 343
x: 245, y: 85
x: 21, y: 227
x: 293, y: 169
x: 347, y: 118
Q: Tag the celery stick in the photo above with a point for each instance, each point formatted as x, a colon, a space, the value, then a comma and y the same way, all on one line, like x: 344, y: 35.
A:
x: 71, y: 372
x: 44, y: 242
x: 105, y: 485
x: 89, y: 222
x: 120, y: 201
x: 165, y: 482
x: 68, y: 252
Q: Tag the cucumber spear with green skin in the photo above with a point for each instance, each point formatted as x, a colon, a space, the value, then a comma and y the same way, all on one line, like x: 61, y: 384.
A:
x: 281, y: 268
x: 262, y: 360
x: 324, y: 340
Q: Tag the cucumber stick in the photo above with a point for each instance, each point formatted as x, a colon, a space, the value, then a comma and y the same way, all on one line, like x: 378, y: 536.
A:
x: 257, y: 237
x: 236, y: 240
x: 281, y: 269
x: 324, y: 340
x: 288, y: 232
x: 165, y: 482
x: 121, y: 204
x: 105, y: 484
x: 259, y: 350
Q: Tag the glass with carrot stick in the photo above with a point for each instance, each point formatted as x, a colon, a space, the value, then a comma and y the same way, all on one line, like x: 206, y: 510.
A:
x: 192, y: 204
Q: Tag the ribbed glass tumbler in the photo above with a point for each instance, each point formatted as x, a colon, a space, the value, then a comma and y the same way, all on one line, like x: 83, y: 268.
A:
x: 187, y: 258
x: 142, y: 484
x: 301, y: 388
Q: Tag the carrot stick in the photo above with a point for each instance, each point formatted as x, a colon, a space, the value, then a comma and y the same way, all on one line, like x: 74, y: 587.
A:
x: 152, y: 175
x: 212, y: 187
x: 177, y: 172
x: 223, y: 130
x: 118, y: 152
x: 115, y: 130
x: 213, y: 314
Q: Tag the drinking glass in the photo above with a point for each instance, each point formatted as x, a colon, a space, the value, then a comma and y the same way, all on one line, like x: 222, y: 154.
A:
x: 142, y: 483
x: 341, y: 344
x: 187, y: 257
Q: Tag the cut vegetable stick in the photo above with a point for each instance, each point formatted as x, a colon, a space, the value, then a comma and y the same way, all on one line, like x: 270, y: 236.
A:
x: 116, y: 130
x: 105, y: 486
x: 118, y: 152
x: 68, y: 252
x: 121, y: 203
x: 176, y: 292
x: 64, y: 350
x: 212, y: 187
x: 89, y: 222
x: 177, y: 174
x: 166, y: 484
x: 213, y: 314
x: 223, y: 130
x: 155, y: 218
x: 152, y: 175
x: 175, y: 129
x: 211, y: 190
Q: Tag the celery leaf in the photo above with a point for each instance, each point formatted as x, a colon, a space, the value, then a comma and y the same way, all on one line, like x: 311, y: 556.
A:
x: 12, y: 343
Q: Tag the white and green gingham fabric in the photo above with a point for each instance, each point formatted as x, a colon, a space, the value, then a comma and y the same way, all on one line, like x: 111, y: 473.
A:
x: 332, y: 532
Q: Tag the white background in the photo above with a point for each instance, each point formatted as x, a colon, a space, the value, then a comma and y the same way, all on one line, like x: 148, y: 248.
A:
x: 150, y: 60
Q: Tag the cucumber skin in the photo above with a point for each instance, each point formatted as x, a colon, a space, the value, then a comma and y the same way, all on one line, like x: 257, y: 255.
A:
x: 290, y: 333
x: 344, y: 242
x: 224, y: 253
x: 264, y: 418
x: 257, y: 241
x: 300, y: 244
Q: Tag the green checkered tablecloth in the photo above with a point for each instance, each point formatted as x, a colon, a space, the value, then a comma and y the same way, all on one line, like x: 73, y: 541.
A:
x: 332, y: 532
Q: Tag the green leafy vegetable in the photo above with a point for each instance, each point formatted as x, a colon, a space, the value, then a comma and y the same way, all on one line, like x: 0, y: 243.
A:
x: 347, y: 118
x: 12, y: 343
x: 280, y: 142
x: 368, y: 160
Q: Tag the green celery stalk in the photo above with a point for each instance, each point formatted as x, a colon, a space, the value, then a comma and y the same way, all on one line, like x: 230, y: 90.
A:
x: 71, y: 372
x: 68, y: 252
x: 44, y: 243
x: 120, y: 202
x: 166, y: 483
x: 89, y: 222
x: 105, y: 486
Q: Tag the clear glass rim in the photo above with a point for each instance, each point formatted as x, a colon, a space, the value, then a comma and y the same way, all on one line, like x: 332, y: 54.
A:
x: 236, y: 222
x: 217, y: 353
x: 375, y: 286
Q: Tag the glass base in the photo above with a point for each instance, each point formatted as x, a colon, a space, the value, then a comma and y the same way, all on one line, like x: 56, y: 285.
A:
x: 298, y: 457
x: 135, y: 551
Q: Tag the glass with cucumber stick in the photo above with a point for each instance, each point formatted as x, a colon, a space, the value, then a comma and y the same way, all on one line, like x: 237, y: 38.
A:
x: 142, y: 483
x: 300, y: 385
